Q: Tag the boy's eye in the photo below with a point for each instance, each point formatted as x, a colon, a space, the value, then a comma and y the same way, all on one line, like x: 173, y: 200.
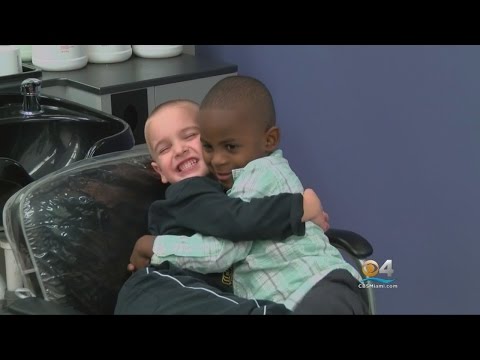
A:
x: 207, y: 147
x: 191, y: 135
x: 163, y: 150
x: 230, y: 147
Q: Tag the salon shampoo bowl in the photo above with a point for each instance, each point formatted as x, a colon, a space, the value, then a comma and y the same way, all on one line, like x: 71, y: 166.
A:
x: 65, y: 132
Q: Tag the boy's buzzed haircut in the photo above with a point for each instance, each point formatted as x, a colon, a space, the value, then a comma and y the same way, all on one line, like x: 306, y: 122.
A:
x: 172, y: 102
x: 244, y: 91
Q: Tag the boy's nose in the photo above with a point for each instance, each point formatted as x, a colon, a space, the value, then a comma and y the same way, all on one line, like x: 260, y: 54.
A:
x: 218, y: 160
x: 180, y: 149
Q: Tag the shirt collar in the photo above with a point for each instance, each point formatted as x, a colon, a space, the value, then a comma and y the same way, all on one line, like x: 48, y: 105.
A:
x: 237, y: 172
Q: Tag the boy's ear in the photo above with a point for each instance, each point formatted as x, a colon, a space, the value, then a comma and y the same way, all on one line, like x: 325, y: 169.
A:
x: 272, y: 138
x: 157, y: 170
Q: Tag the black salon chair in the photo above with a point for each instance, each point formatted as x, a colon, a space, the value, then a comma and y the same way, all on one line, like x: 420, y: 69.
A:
x: 73, y: 231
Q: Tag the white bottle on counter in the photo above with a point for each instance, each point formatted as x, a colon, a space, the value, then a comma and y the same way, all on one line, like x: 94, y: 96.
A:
x: 59, y: 57
x: 25, y: 52
x: 10, y: 60
x: 108, y: 54
x: 157, y: 51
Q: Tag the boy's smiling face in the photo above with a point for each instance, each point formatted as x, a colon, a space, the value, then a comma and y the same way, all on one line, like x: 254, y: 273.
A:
x: 174, y: 138
x: 233, y: 138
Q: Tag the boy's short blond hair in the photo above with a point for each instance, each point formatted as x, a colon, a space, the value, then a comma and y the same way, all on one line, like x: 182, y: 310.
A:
x: 163, y: 106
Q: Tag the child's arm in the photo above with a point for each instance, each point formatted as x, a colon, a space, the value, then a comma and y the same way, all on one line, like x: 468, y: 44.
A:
x: 204, y: 254
x: 215, y: 214
x: 201, y: 206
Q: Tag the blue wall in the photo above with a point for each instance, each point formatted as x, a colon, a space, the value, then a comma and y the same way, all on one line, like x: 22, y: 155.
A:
x: 389, y: 136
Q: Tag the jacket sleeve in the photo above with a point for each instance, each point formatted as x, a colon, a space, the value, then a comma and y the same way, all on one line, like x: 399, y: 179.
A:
x: 207, y: 210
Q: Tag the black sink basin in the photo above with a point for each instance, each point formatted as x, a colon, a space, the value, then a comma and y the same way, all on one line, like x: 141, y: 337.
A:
x: 36, y: 145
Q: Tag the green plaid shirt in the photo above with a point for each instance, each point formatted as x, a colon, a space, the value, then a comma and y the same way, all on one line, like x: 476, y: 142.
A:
x: 281, y: 271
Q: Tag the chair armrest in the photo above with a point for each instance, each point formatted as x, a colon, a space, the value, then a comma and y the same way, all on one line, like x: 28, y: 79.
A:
x: 38, y: 306
x: 351, y: 242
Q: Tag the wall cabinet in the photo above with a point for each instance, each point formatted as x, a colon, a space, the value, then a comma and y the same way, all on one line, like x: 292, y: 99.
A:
x: 133, y: 106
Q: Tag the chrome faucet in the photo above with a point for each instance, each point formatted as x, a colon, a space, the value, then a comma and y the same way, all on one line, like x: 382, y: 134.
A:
x: 30, y: 89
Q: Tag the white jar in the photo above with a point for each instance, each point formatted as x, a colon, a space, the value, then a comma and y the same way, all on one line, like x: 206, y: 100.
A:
x: 25, y: 52
x: 157, y: 51
x: 59, y: 57
x: 109, y: 54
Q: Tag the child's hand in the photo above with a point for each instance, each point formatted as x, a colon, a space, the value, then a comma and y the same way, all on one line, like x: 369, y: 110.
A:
x: 142, y: 253
x: 312, y: 207
x: 322, y: 221
x: 313, y: 210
